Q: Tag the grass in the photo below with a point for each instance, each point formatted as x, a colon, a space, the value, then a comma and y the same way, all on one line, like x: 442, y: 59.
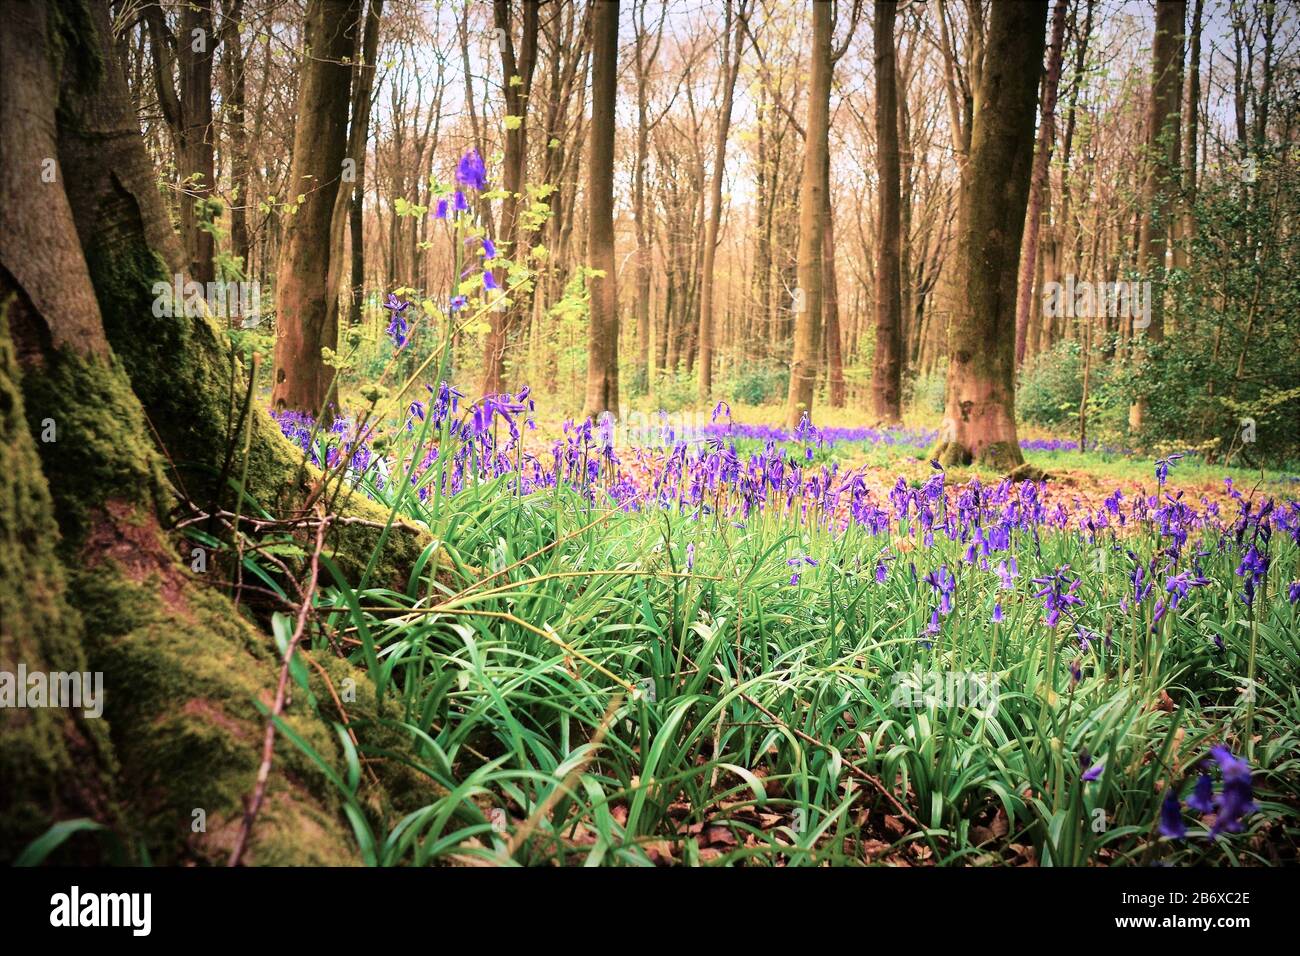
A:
x: 584, y: 685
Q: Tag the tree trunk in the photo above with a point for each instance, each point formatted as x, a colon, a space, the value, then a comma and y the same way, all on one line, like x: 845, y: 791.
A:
x: 1038, y: 184
x: 979, y: 416
x: 302, y: 379
x: 196, y: 54
x: 602, y: 342
x: 887, y: 367
x: 1160, y: 168
x: 1186, y: 225
x: 834, y: 344
x: 812, y: 209
x: 503, y: 325
x: 730, y: 68
x: 235, y: 93
x: 82, y: 352
x: 357, y: 147
x: 352, y: 177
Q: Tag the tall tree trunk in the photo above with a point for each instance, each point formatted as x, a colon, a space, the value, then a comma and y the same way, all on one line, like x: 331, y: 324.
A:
x: 602, y: 341
x: 979, y: 413
x: 1160, y: 165
x: 887, y: 367
x: 1038, y: 184
x: 232, y: 52
x: 189, y: 116
x: 812, y: 210
x: 197, y: 44
x: 730, y: 68
x: 834, y: 344
x: 352, y: 178
x: 361, y: 103
x: 505, y: 323
x: 302, y: 379
x: 1186, y: 226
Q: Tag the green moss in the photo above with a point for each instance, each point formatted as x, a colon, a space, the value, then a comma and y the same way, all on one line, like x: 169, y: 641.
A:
x: 54, y: 763
x: 182, y: 674
x: 100, y: 449
x: 180, y: 370
x: 181, y: 669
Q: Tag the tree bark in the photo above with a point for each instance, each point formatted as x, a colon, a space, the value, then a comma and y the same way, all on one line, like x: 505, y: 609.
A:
x: 602, y: 341
x: 302, y: 379
x: 104, y: 590
x: 812, y: 209
x: 1038, y: 184
x: 1161, y: 162
x: 1186, y: 225
x: 503, y: 325
x: 887, y: 366
x: 234, y: 91
x: 979, y: 416
x: 361, y: 104
x: 730, y: 68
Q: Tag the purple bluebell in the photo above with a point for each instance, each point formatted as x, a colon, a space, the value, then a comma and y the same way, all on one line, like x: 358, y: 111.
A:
x: 1171, y: 816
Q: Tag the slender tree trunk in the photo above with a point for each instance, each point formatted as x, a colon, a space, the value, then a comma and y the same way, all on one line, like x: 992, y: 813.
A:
x: 887, y: 367
x: 1186, y: 226
x: 730, y: 68
x: 1038, y: 185
x: 834, y: 345
x: 352, y: 176
x: 302, y: 379
x: 812, y: 209
x: 240, y: 168
x: 357, y: 141
x: 1160, y: 164
x: 602, y: 342
x: 504, y: 324
x: 979, y: 415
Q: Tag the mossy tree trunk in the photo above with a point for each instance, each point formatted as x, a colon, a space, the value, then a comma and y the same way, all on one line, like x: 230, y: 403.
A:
x: 979, y: 415
x: 92, y: 378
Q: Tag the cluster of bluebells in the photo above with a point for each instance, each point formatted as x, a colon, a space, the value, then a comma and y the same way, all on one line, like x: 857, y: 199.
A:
x: 1230, y: 805
x: 906, y: 439
x: 996, y: 527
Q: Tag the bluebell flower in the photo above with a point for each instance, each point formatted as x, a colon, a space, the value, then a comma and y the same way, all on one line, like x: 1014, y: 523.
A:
x: 397, y: 327
x: 1202, y: 798
x: 1236, y: 799
x: 1171, y: 817
x: 1162, y: 468
x: 471, y: 172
